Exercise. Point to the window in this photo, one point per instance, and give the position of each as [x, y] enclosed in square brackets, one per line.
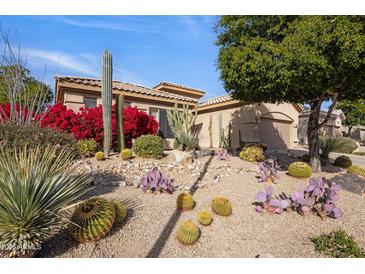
[154, 112]
[165, 130]
[89, 102]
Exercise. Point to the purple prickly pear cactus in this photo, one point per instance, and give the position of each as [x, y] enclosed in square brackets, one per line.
[155, 180]
[268, 171]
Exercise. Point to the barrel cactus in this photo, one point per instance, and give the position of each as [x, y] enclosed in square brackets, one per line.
[252, 154]
[356, 170]
[343, 161]
[299, 170]
[120, 212]
[92, 220]
[185, 201]
[126, 154]
[205, 218]
[100, 156]
[221, 206]
[188, 233]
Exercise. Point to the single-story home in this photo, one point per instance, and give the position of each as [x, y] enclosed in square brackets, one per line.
[332, 128]
[272, 124]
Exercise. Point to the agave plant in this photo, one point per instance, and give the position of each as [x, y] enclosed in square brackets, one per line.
[265, 200]
[268, 171]
[222, 154]
[333, 144]
[319, 196]
[155, 181]
[35, 187]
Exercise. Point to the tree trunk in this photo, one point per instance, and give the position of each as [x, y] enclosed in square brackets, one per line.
[349, 131]
[313, 138]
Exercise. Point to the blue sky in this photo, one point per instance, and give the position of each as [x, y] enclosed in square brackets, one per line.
[145, 49]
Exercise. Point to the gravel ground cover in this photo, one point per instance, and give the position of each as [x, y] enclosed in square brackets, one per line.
[150, 228]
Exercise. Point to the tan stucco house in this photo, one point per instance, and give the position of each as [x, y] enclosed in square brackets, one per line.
[272, 124]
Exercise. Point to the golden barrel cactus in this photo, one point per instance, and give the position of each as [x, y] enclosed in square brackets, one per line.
[343, 161]
[185, 201]
[356, 170]
[221, 206]
[205, 218]
[126, 154]
[92, 220]
[300, 170]
[188, 233]
[120, 212]
[99, 156]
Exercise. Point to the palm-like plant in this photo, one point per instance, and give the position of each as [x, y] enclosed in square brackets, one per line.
[333, 144]
[35, 187]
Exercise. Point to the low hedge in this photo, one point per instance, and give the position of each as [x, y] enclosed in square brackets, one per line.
[149, 146]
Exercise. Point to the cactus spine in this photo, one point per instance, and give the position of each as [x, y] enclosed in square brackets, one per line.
[120, 108]
[210, 131]
[106, 95]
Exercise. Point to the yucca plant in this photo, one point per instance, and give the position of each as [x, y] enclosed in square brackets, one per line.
[36, 185]
[333, 144]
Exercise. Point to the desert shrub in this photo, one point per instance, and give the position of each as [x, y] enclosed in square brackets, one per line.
[149, 146]
[87, 147]
[13, 135]
[338, 244]
[35, 186]
[343, 161]
[336, 144]
[88, 123]
[252, 153]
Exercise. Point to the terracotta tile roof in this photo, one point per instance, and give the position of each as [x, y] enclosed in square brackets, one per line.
[119, 85]
[216, 100]
[179, 86]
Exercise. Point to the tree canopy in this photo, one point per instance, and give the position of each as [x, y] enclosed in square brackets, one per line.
[292, 58]
[354, 112]
[32, 85]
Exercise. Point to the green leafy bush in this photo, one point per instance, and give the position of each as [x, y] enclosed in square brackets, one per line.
[36, 185]
[13, 135]
[338, 244]
[87, 147]
[252, 153]
[149, 146]
[343, 161]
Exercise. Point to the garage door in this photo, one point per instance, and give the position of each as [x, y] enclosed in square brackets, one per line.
[275, 133]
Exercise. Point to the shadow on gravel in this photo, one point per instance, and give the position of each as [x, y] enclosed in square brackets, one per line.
[350, 182]
[166, 232]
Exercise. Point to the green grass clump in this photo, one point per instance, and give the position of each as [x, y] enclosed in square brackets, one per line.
[338, 244]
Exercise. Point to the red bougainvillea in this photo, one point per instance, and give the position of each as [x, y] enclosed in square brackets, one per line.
[5, 111]
[88, 123]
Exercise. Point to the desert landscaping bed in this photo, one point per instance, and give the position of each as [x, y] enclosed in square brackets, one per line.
[152, 221]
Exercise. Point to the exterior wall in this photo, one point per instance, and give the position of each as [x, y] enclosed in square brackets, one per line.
[332, 127]
[245, 118]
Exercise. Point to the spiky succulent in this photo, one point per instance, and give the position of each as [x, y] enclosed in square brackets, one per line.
[205, 218]
[268, 171]
[221, 154]
[265, 200]
[120, 211]
[319, 196]
[185, 201]
[99, 156]
[126, 154]
[92, 220]
[221, 206]
[155, 180]
[356, 170]
[35, 186]
[343, 161]
[299, 170]
[188, 233]
[252, 154]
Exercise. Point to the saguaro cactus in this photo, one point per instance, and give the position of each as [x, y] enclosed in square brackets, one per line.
[120, 108]
[106, 95]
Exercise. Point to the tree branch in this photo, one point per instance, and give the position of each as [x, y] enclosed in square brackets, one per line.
[329, 112]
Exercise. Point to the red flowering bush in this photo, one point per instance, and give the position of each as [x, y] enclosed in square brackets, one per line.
[88, 123]
[5, 111]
